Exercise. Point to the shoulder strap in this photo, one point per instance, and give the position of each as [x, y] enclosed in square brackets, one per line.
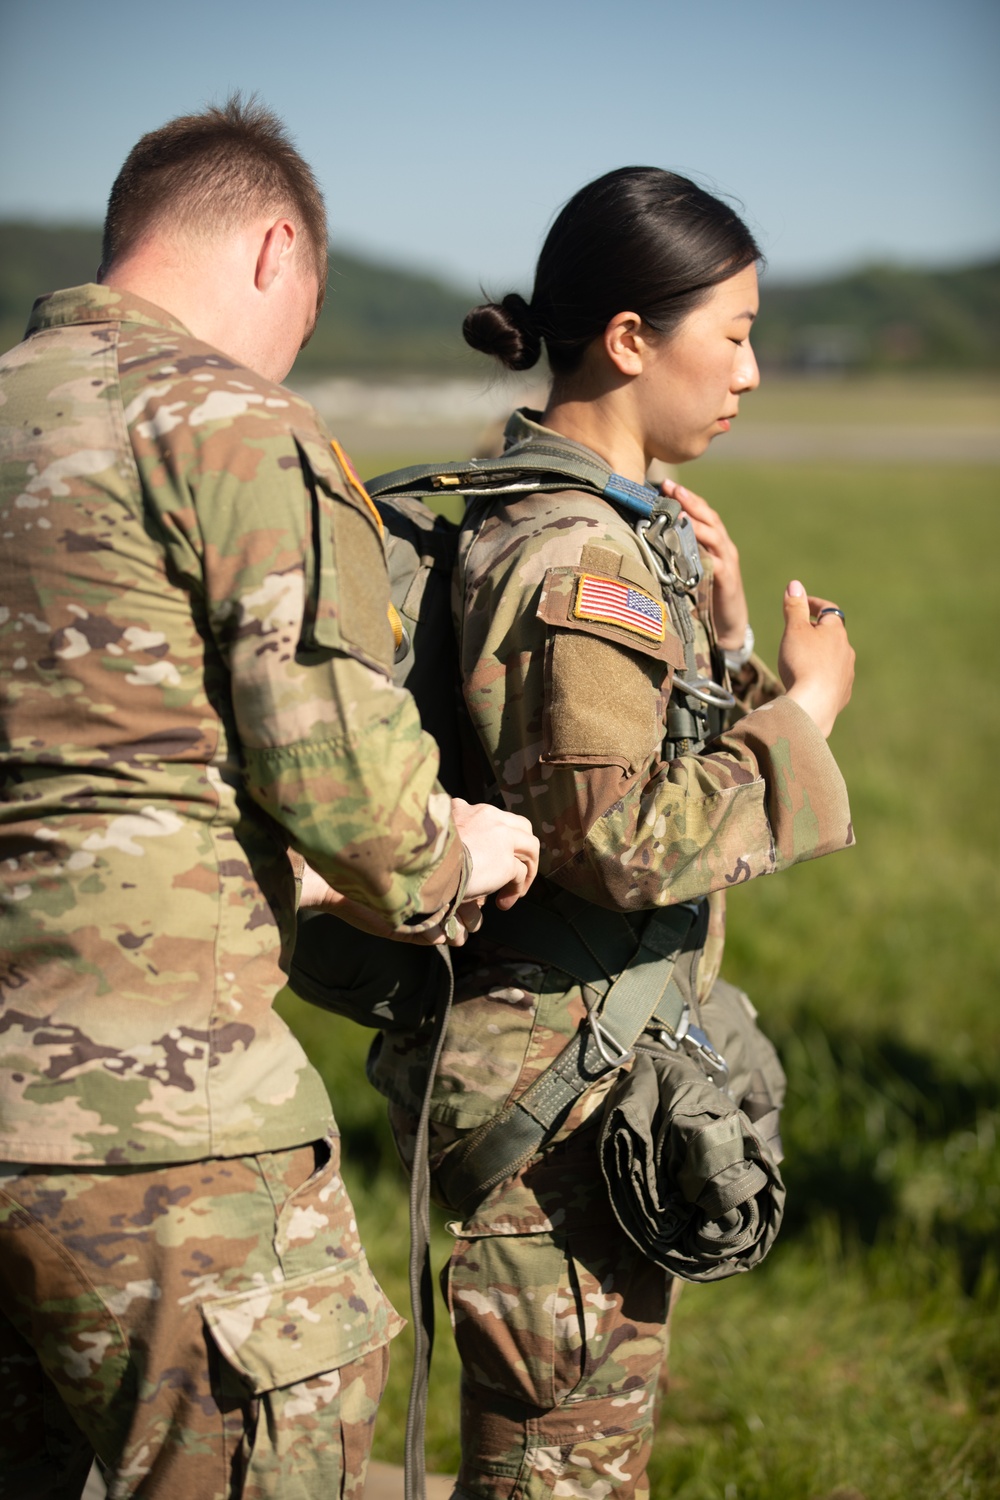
[526, 468]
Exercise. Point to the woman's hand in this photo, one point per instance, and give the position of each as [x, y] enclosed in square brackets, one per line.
[815, 659]
[729, 602]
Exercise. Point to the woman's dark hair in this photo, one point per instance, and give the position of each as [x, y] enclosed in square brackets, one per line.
[638, 239]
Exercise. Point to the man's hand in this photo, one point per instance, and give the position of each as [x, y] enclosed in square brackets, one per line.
[503, 853]
[729, 602]
[502, 848]
[318, 896]
[815, 659]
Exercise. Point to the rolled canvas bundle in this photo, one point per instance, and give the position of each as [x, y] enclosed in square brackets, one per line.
[691, 1180]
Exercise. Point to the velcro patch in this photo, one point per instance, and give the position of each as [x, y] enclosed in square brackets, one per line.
[616, 603]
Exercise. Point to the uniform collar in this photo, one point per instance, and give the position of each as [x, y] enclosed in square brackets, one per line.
[98, 304]
[525, 428]
[526, 425]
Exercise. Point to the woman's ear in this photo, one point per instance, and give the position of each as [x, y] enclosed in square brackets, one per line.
[624, 343]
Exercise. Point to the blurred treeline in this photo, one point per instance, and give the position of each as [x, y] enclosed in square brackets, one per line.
[381, 320]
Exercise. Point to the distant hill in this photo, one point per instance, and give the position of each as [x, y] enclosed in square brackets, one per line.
[884, 318]
[382, 320]
[376, 319]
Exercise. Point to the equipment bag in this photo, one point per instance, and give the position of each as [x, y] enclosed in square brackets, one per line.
[690, 1154]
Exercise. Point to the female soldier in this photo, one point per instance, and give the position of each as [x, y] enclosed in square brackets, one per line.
[597, 672]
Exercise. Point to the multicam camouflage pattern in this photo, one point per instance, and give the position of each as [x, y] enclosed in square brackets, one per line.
[193, 672]
[563, 1338]
[571, 713]
[259, 1257]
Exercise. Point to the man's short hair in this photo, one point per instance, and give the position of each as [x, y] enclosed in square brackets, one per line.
[212, 172]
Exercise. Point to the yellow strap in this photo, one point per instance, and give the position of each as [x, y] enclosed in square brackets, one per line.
[350, 474]
[396, 624]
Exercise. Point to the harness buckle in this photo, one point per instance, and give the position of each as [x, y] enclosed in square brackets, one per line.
[698, 1045]
[603, 1040]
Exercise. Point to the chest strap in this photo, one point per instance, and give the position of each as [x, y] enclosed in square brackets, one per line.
[628, 969]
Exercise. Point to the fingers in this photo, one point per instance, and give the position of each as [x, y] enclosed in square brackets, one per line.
[470, 914]
[515, 889]
[707, 523]
[815, 658]
[502, 847]
[824, 610]
[696, 507]
[802, 607]
[729, 600]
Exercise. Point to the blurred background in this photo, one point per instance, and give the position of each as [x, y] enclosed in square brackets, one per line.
[862, 1362]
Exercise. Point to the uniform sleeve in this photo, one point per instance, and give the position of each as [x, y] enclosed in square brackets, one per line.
[291, 570]
[573, 712]
[754, 685]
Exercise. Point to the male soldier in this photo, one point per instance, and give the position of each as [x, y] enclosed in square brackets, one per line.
[194, 655]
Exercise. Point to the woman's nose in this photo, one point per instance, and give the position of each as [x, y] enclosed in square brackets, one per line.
[746, 375]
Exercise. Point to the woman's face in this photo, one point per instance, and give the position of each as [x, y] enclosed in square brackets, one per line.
[690, 386]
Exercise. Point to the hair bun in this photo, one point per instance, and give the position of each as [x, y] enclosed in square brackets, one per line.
[507, 330]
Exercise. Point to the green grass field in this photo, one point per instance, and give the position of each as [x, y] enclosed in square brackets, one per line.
[862, 1361]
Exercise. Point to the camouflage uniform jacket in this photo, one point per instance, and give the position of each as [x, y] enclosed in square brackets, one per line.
[194, 673]
[571, 711]
[571, 714]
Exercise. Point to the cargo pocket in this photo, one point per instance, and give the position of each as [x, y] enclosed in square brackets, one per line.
[276, 1335]
[622, 1302]
[312, 1354]
[513, 1314]
[548, 1323]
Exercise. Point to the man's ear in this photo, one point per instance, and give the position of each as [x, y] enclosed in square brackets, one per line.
[624, 343]
[276, 249]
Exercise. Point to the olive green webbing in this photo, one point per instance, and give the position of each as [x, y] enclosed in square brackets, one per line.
[539, 466]
[632, 970]
[421, 1280]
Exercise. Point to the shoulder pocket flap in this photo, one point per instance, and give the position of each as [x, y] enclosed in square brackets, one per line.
[613, 608]
[333, 472]
[350, 589]
[274, 1336]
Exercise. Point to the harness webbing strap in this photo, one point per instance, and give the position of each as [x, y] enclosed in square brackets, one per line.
[421, 1280]
[636, 981]
[525, 468]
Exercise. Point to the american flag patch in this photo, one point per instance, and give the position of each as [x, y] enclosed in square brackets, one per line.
[617, 603]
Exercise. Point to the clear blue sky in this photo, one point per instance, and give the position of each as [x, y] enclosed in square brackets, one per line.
[445, 134]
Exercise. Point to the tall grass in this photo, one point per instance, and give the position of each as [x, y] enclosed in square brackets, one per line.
[863, 1359]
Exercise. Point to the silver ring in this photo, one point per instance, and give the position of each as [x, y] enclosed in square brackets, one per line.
[831, 609]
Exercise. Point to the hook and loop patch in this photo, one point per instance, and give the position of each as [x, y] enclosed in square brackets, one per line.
[610, 601]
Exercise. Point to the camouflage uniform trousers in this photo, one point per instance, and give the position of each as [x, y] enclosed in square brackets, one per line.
[209, 1329]
[563, 1337]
